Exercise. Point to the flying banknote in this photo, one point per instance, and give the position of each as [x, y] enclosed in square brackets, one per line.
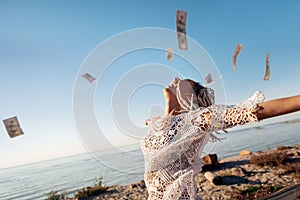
[267, 74]
[170, 54]
[235, 54]
[181, 29]
[209, 79]
[13, 127]
[88, 77]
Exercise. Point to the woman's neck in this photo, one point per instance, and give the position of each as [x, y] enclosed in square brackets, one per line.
[172, 107]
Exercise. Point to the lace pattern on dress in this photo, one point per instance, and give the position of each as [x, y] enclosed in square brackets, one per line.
[173, 146]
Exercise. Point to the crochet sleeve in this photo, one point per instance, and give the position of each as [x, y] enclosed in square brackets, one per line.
[223, 117]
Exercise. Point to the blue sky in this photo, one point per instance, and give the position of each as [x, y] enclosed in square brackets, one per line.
[44, 43]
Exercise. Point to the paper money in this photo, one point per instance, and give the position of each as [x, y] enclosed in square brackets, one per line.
[235, 54]
[181, 29]
[13, 127]
[170, 54]
[267, 74]
[208, 79]
[88, 77]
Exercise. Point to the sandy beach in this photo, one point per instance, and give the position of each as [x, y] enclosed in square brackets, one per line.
[251, 176]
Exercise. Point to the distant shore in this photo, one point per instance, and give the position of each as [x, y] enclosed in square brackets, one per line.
[244, 177]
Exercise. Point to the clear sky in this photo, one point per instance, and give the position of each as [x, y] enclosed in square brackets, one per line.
[44, 43]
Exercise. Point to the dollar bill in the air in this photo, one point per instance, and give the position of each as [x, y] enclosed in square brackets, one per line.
[170, 54]
[209, 79]
[88, 77]
[181, 29]
[235, 54]
[267, 74]
[13, 127]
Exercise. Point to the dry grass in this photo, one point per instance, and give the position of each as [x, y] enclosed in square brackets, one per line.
[90, 191]
[276, 158]
[281, 147]
[280, 159]
[54, 195]
[293, 170]
[254, 192]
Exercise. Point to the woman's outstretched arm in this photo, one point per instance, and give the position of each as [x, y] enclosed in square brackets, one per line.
[277, 107]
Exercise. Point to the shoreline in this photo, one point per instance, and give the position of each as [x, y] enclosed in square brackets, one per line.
[242, 178]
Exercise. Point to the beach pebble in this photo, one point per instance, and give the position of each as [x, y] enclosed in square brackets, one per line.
[245, 153]
[238, 171]
[263, 179]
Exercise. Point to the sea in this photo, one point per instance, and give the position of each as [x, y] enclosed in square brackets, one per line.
[126, 165]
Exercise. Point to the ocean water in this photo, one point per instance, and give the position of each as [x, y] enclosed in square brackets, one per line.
[35, 181]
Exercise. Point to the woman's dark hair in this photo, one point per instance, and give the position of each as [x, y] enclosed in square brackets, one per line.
[205, 96]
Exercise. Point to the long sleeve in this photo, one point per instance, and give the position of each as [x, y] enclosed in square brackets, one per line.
[223, 117]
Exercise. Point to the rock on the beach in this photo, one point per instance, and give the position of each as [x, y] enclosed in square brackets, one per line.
[214, 179]
[210, 159]
[245, 153]
[238, 171]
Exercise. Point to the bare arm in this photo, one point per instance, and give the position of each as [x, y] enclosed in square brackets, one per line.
[277, 107]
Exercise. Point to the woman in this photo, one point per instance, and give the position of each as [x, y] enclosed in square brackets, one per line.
[175, 141]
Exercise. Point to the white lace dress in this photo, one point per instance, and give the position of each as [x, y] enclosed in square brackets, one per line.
[173, 146]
